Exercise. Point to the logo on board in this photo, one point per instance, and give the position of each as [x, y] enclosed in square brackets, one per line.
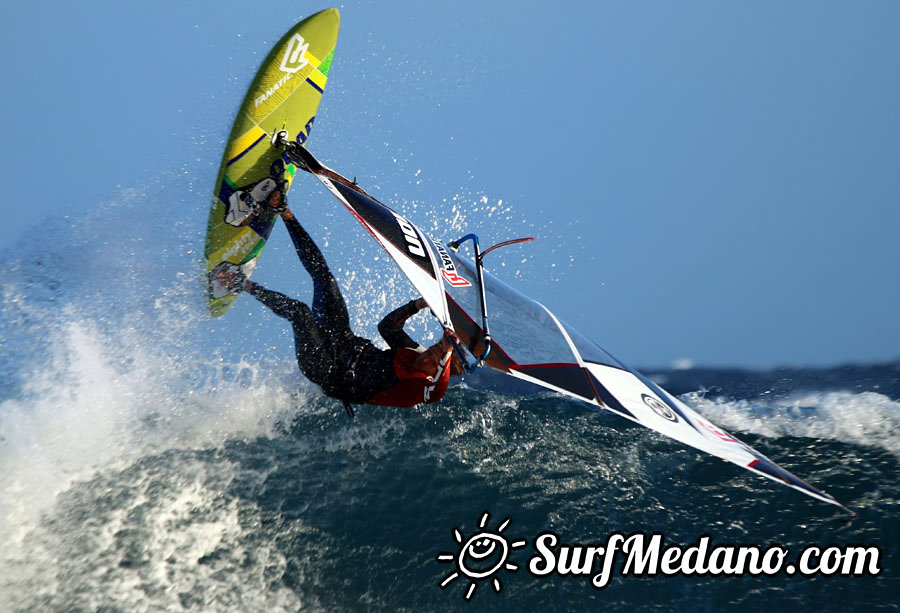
[295, 55]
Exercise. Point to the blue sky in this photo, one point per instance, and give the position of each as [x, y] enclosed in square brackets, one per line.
[707, 180]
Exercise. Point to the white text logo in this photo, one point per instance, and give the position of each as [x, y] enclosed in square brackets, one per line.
[449, 271]
[269, 92]
[483, 555]
[413, 244]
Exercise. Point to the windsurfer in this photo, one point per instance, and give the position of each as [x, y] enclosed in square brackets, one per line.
[348, 367]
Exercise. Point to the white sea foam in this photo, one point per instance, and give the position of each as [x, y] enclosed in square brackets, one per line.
[866, 418]
[108, 357]
[89, 407]
[169, 540]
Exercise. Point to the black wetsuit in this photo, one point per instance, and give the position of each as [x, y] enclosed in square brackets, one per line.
[346, 366]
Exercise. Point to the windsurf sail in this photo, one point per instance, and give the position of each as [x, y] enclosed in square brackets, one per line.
[528, 341]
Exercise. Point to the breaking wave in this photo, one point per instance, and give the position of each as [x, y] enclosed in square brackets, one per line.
[152, 458]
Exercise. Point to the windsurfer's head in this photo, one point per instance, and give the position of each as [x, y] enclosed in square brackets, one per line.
[429, 360]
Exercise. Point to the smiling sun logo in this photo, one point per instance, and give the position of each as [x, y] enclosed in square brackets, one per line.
[481, 556]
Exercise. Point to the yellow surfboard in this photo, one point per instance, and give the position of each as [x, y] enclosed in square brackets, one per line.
[284, 95]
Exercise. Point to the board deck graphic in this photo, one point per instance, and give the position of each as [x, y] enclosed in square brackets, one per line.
[284, 95]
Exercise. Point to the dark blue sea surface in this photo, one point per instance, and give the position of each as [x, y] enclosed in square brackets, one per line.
[328, 513]
[150, 461]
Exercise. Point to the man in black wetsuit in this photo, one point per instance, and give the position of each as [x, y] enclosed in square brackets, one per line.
[348, 367]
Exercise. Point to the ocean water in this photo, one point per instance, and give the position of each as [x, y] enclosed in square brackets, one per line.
[152, 459]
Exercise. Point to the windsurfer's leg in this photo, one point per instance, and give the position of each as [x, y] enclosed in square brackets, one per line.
[281, 305]
[314, 356]
[328, 307]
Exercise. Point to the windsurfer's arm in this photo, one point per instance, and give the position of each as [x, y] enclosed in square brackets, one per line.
[391, 327]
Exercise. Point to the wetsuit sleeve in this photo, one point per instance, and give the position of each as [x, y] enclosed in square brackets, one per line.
[391, 327]
[281, 305]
